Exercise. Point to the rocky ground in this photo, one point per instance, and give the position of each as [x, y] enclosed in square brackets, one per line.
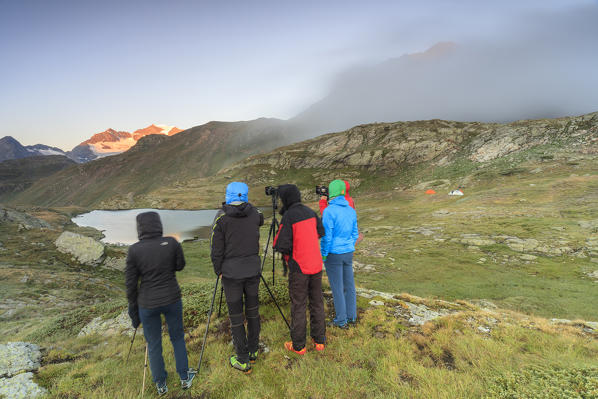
[506, 272]
[17, 362]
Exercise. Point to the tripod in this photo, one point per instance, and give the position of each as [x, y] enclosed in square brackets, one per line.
[274, 225]
[271, 234]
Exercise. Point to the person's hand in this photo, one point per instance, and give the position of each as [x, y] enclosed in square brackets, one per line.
[134, 315]
[359, 238]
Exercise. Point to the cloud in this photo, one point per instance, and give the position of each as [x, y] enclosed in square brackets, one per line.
[539, 65]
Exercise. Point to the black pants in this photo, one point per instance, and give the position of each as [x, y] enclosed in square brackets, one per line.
[301, 287]
[237, 290]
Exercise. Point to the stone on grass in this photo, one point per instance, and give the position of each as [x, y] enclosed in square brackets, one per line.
[376, 303]
[115, 263]
[418, 315]
[84, 249]
[20, 387]
[16, 357]
[106, 327]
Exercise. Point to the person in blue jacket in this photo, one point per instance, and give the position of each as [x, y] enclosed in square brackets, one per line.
[337, 247]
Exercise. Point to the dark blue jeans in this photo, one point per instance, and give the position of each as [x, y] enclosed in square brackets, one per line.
[339, 268]
[152, 329]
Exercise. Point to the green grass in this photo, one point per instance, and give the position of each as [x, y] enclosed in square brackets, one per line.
[413, 242]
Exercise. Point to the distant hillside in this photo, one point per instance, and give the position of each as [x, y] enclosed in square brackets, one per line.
[10, 148]
[384, 157]
[17, 175]
[158, 160]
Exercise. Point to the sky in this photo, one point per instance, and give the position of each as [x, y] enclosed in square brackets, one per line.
[70, 69]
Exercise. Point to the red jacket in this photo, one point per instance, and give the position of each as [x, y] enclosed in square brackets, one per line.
[324, 203]
[298, 237]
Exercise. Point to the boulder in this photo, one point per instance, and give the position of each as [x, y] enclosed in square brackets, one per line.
[115, 263]
[477, 241]
[85, 249]
[16, 357]
[120, 325]
[418, 315]
[24, 220]
[522, 245]
[20, 387]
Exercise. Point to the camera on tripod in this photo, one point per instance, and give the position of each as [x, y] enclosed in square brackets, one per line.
[322, 191]
[270, 190]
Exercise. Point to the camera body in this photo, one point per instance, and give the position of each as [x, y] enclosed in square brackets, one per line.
[322, 191]
[270, 190]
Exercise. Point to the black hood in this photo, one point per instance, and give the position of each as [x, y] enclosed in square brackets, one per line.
[289, 195]
[237, 210]
[149, 225]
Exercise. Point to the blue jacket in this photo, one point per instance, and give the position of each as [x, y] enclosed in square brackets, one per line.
[340, 224]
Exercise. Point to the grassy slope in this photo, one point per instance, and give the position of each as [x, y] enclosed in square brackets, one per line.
[413, 242]
[200, 151]
[17, 175]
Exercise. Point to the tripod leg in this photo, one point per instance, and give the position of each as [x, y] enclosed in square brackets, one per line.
[131, 347]
[270, 235]
[220, 304]
[144, 370]
[203, 345]
[274, 299]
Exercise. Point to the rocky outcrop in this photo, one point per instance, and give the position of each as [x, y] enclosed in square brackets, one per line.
[115, 263]
[20, 387]
[84, 249]
[24, 220]
[391, 146]
[120, 325]
[17, 360]
[16, 357]
[416, 314]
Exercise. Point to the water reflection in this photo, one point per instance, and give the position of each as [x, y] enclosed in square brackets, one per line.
[119, 227]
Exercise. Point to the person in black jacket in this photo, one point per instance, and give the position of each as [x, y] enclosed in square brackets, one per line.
[298, 240]
[235, 257]
[154, 260]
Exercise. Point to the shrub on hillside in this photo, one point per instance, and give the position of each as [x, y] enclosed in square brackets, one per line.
[547, 383]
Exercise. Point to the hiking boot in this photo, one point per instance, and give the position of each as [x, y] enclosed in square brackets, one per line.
[186, 384]
[289, 346]
[162, 389]
[252, 357]
[352, 323]
[317, 346]
[343, 327]
[244, 367]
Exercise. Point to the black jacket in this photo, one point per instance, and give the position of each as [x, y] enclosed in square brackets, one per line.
[153, 259]
[299, 233]
[235, 242]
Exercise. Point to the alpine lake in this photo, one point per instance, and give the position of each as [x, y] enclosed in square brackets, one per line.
[120, 227]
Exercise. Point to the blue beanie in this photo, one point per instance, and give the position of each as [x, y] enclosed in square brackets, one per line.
[236, 191]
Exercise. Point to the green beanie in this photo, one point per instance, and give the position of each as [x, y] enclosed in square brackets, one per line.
[336, 188]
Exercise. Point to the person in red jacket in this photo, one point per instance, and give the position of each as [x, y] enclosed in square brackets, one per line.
[324, 203]
[324, 200]
[298, 239]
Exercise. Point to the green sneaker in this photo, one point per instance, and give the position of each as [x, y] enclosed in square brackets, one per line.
[252, 357]
[244, 367]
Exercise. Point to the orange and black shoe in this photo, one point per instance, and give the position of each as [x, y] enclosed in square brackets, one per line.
[252, 357]
[317, 346]
[289, 346]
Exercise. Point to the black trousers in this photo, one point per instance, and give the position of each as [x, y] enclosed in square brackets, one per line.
[239, 291]
[301, 288]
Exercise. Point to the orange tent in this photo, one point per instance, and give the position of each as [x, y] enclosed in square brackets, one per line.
[430, 191]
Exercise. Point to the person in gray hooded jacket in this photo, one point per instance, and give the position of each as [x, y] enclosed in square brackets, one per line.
[152, 291]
